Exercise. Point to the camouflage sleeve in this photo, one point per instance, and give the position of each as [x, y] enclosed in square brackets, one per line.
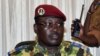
[14, 53]
[23, 52]
[23, 49]
[20, 51]
[84, 52]
[87, 52]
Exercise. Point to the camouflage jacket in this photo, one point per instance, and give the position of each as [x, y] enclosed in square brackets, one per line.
[65, 49]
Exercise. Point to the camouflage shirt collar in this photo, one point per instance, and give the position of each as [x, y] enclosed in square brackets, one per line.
[38, 49]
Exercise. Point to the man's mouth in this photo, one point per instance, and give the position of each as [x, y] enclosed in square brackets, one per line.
[54, 36]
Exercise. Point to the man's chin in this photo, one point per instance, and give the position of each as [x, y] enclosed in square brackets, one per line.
[55, 43]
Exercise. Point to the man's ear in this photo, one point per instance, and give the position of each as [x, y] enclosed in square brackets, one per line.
[35, 28]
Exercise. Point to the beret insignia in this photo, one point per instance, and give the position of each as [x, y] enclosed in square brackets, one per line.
[41, 11]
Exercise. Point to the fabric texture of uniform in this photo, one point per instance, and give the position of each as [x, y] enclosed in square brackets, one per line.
[65, 49]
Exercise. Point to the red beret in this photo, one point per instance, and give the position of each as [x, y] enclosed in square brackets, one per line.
[49, 10]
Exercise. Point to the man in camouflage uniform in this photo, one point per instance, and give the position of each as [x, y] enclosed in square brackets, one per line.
[49, 27]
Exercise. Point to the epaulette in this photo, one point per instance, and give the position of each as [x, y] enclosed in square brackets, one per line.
[26, 45]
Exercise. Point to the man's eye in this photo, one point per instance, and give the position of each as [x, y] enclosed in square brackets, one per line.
[60, 24]
[42, 24]
[49, 24]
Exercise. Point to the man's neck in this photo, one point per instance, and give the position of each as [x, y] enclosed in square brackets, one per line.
[49, 48]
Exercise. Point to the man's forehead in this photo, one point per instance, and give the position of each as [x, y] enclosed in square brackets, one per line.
[49, 18]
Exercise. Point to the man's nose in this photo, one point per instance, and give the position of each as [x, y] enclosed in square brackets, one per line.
[55, 27]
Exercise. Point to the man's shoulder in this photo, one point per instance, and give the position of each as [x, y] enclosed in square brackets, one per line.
[24, 43]
[73, 44]
[74, 48]
[23, 47]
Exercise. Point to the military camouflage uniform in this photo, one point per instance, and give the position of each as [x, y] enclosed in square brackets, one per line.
[65, 49]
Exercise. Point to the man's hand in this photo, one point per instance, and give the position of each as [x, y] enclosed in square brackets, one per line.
[88, 38]
[76, 29]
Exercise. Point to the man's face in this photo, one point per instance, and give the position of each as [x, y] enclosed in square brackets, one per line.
[49, 30]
